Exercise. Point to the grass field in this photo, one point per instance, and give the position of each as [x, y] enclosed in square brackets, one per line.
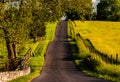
[105, 37]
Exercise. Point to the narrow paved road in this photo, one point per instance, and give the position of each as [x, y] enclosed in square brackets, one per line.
[59, 66]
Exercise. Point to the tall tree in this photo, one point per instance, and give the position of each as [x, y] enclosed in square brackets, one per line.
[37, 26]
[102, 10]
[13, 23]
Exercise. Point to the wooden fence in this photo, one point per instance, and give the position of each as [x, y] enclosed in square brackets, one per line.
[105, 57]
[25, 60]
[21, 65]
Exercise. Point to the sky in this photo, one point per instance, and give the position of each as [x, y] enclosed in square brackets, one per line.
[95, 2]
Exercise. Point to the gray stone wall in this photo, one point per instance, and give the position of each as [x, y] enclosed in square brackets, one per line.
[9, 75]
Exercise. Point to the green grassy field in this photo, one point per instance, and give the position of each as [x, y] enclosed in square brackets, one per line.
[104, 36]
[39, 48]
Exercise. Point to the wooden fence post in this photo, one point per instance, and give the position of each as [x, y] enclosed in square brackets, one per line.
[111, 59]
[107, 58]
[25, 60]
[116, 58]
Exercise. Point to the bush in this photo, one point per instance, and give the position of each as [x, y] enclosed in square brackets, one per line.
[89, 63]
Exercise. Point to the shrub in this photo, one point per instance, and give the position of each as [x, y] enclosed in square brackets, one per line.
[90, 63]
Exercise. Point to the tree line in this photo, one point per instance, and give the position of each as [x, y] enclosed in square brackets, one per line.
[108, 10]
[28, 22]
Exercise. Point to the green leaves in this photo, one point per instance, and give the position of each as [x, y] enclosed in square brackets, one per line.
[79, 9]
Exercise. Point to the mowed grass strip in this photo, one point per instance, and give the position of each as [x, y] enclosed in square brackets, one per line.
[36, 63]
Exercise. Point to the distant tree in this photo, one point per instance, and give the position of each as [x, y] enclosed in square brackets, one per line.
[55, 8]
[114, 6]
[102, 10]
[74, 9]
[38, 19]
[52, 10]
[42, 11]
[79, 9]
[109, 10]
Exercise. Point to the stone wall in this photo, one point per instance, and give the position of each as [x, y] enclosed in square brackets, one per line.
[9, 75]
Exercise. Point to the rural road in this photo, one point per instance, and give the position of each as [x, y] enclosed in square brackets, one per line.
[59, 66]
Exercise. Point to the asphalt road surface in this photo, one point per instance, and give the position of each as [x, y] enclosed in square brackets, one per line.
[59, 66]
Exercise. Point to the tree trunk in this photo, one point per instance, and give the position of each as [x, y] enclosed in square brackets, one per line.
[12, 51]
[14, 45]
[11, 56]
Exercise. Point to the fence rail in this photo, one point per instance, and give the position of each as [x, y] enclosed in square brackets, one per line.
[21, 65]
[25, 60]
[105, 57]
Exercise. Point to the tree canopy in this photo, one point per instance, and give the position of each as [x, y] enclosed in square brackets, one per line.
[79, 9]
[17, 24]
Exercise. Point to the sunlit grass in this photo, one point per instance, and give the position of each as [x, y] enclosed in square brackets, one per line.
[50, 31]
[105, 36]
[3, 51]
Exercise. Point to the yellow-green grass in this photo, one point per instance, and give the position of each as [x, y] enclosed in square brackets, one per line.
[104, 35]
[50, 31]
[36, 63]
[3, 52]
